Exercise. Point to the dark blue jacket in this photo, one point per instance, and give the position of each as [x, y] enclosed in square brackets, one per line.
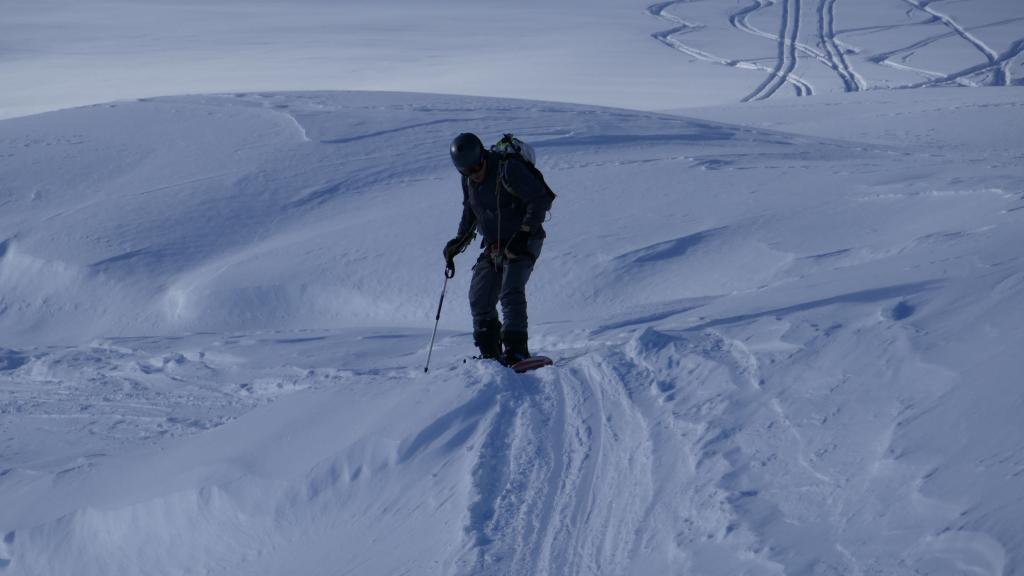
[504, 202]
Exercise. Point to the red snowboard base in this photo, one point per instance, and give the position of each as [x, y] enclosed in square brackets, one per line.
[532, 363]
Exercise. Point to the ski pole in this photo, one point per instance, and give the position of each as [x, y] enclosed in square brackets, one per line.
[449, 272]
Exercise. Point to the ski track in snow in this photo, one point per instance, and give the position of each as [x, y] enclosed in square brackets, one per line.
[1000, 67]
[541, 497]
[989, 54]
[626, 453]
[852, 82]
[833, 57]
[565, 440]
[997, 65]
[572, 459]
[906, 52]
[786, 60]
[1008, 65]
[669, 38]
[997, 69]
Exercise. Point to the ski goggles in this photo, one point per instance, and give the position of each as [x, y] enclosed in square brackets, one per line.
[472, 170]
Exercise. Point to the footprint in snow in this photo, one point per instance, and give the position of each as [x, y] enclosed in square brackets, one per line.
[5, 550]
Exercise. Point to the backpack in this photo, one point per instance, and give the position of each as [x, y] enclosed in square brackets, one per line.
[511, 147]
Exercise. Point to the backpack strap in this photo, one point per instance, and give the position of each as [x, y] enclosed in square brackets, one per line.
[503, 175]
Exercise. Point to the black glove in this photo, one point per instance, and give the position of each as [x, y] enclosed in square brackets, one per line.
[454, 247]
[518, 245]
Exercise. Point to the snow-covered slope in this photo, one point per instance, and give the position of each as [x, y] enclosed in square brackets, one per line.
[787, 339]
[787, 324]
[636, 54]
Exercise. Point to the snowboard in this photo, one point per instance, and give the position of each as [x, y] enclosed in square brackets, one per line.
[531, 363]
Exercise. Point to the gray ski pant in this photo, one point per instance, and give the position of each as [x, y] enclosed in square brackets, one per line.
[502, 280]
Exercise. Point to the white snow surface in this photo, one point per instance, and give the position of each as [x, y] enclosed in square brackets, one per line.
[627, 53]
[777, 352]
[787, 331]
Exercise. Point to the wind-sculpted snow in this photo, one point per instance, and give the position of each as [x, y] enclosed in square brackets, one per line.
[786, 340]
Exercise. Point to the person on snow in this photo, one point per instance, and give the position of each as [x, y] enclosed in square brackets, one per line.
[506, 203]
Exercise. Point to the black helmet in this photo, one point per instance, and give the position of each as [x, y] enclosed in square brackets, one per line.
[467, 151]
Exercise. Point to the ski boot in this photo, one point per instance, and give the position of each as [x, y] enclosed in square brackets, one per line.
[487, 338]
[515, 347]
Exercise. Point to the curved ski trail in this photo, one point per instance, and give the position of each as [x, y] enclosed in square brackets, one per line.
[996, 64]
[669, 38]
[925, 7]
[1000, 70]
[786, 61]
[833, 57]
[852, 82]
